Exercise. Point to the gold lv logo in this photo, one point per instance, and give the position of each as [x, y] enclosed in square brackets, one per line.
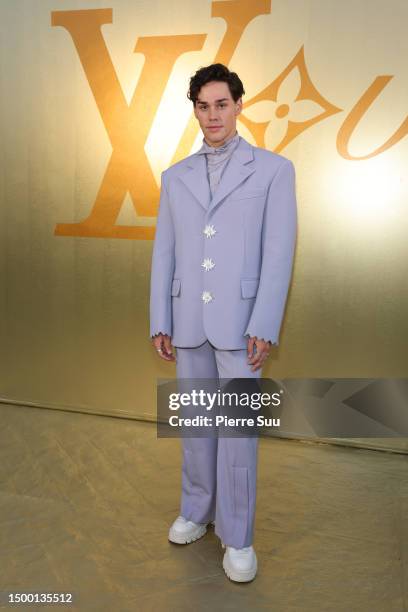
[275, 116]
[128, 126]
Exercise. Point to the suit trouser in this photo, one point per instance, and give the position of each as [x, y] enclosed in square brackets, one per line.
[219, 474]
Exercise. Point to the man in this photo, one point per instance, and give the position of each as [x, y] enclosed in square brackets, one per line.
[221, 268]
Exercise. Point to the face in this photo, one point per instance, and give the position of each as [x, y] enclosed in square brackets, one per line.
[217, 112]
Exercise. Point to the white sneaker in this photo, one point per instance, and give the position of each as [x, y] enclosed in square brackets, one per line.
[183, 531]
[240, 564]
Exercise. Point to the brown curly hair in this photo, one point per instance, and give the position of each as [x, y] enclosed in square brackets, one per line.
[215, 72]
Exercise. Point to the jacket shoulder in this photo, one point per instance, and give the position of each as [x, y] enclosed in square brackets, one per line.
[176, 168]
[269, 157]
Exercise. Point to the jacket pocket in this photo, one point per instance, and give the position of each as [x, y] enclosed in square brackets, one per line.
[175, 287]
[255, 192]
[249, 287]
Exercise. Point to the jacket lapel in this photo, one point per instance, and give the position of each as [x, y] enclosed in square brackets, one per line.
[196, 179]
[235, 173]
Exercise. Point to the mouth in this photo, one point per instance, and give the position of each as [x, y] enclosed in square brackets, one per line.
[214, 127]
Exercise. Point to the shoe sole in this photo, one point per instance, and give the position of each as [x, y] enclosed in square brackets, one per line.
[179, 539]
[244, 576]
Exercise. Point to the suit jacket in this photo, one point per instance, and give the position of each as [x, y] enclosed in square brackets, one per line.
[221, 265]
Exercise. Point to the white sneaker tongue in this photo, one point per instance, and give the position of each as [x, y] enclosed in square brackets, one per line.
[242, 550]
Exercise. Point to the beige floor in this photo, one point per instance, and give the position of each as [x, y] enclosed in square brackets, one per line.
[86, 502]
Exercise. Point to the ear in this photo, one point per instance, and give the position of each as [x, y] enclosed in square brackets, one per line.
[238, 104]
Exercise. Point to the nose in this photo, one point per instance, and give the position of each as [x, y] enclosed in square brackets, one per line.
[213, 114]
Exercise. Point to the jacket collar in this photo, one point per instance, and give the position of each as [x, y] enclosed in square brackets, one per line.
[235, 173]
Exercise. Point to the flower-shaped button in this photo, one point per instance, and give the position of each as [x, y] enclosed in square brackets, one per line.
[206, 297]
[208, 264]
[209, 231]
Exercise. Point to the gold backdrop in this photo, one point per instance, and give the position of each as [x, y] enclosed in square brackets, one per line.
[94, 107]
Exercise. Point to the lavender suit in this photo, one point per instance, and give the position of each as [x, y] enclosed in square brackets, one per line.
[221, 268]
[222, 265]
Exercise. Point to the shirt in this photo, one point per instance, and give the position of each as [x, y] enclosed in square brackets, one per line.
[217, 159]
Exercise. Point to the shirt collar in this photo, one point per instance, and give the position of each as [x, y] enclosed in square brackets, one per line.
[206, 148]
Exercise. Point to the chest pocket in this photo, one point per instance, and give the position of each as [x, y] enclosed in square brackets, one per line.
[255, 192]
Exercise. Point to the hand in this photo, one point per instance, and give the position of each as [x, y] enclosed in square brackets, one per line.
[261, 353]
[162, 344]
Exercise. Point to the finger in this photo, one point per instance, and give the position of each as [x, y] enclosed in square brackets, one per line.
[168, 349]
[250, 346]
[259, 361]
[253, 356]
[162, 353]
[256, 367]
[158, 343]
[256, 363]
[167, 346]
[256, 356]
